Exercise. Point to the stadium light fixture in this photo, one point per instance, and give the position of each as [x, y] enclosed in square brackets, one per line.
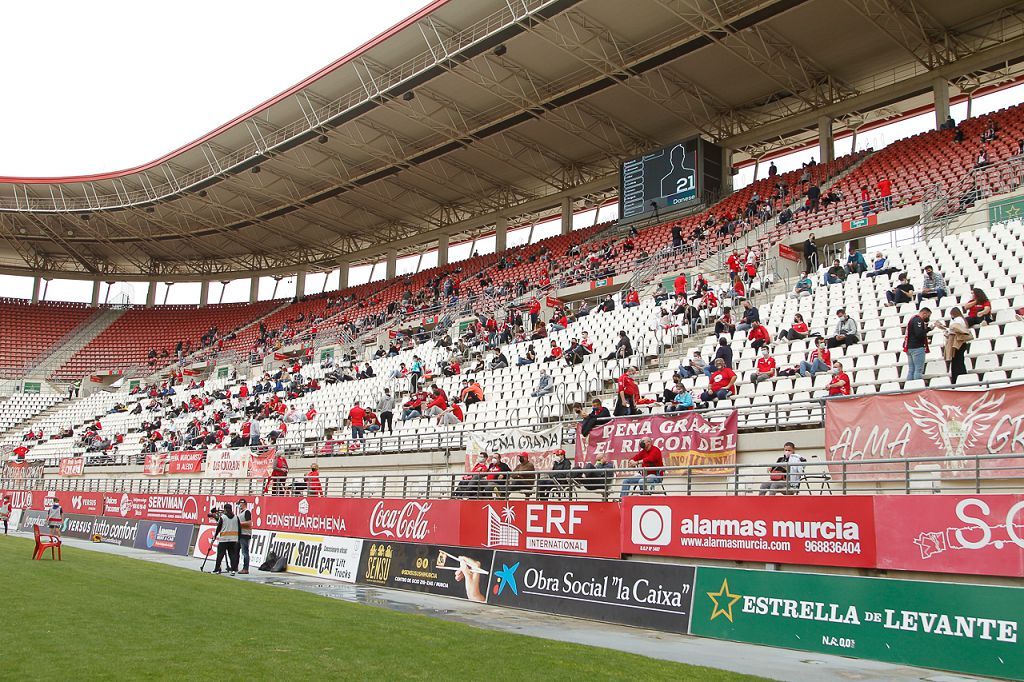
[322, 139]
[409, 96]
[202, 193]
[500, 50]
[23, 230]
[255, 169]
[85, 217]
[71, 233]
[150, 209]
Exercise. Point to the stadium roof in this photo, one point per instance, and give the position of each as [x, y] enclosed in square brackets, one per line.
[473, 110]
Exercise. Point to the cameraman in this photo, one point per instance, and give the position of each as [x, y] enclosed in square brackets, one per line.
[228, 531]
[245, 534]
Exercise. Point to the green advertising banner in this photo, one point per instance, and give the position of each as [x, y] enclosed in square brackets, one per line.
[967, 628]
[31, 387]
[1005, 210]
[326, 353]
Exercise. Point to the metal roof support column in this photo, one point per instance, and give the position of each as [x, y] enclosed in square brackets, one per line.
[567, 215]
[204, 293]
[501, 235]
[940, 90]
[392, 264]
[727, 170]
[442, 250]
[151, 294]
[254, 289]
[95, 293]
[37, 282]
[343, 274]
[826, 141]
[300, 283]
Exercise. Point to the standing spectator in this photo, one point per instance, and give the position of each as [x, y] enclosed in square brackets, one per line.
[765, 367]
[978, 309]
[722, 384]
[915, 343]
[244, 535]
[228, 533]
[773, 170]
[846, 331]
[840, 384]
[679, 286]
[677, 236]
[903, 292]
[651, 472]
[597, 416]
[55, 517]
[356, 418]
[278, 474]
[628, 393]
[386, 411]
[933, 286]
[5, 511]
[813, 197]
[798, 330]
[759, 336]
[811, 253]
[865, 200]
[545, 386]
[749, 317]
[855, 263]
[818, 360]
[958, 342]
[415, 372]
[885, 192]
[312, 479]
[533, 308]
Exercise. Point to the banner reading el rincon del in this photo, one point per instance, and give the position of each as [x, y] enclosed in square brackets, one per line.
[945, 424]
[685, 440]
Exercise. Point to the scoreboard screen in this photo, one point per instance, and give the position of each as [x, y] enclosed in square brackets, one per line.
[668, 177]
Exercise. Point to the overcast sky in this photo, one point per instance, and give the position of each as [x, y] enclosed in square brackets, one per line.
[106, 85]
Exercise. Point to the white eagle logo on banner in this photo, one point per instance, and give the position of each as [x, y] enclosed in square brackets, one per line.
[952, 431]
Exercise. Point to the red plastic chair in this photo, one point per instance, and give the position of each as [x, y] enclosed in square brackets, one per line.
[45, 541]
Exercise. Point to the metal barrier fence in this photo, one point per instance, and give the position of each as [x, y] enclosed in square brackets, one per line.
[899, 476]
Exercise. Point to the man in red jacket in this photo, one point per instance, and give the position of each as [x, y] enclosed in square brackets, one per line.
[357, 419]
[628, 392]
[680, 284]
[651, 472]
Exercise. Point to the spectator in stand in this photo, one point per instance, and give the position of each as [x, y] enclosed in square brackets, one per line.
[499, 361]
[472, 481]
[677, 236]
[452, 414]
[681, 400]
[437, 404]
[810, 253]
[607, 305]
[724, 353]
[679, 286]
[386, 411]
[413, 408]
[818, 360]
[557, 479]
[650, 472]
[523, 478]
[865, 200]
[725, 324]
[813, 197]
[835, 274]
[855, 263]
[660, 294]
[982, 160]
[784, 476]
[958, 342]
[598, 416]
[472, 392]
[979, 308]
[371, 423]
[804, 286]
[497, 477]
[903, 292]
[693, 367]
[533, 308]
[933, 286]
[722, 384]
[885, 193]
[798, 330]
[356, 417]
[415, 373]
[840, 383]
[596, 475]
[632, 299]
[628, 393]
[545, 386]
[915, 343]
[759, 336]
[765, 369]
[623, 348]
[773, 170]
[750, 316]
[880, 266]
[555, 353]
[846, 331]
[531, 357]
[312, 480]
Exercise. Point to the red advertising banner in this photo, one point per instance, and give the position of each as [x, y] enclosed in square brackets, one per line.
[71, 466]
[90, 504]
[788, 253]
[973, 534]
[427, 521]
[930, 423]
[154, 465]
[814, 531]
[177, 508]
[28, 499]
[684, 440]
[261, 465]
[584, 528]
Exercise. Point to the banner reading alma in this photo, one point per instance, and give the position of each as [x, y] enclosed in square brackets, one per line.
[685, 440]
[931, 423]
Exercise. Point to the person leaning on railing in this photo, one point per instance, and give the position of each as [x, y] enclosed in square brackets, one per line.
[651, 471]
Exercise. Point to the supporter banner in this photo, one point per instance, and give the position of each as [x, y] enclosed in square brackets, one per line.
[383, 519]
[261, 465]
[155, 465]
[71, 466]
[967, 628]
[647, 595]
[929, 423]
[185, 462]
[448, 571]
[169, 538]
[816, 531]
[77, 526]
[227, 464]
[174, 508]
[121, 532]
[976, 534]
[685, 440]
[21, 471]
[514, 441]
[585, 528]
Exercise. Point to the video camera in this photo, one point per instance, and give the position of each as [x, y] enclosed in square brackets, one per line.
[215, 514]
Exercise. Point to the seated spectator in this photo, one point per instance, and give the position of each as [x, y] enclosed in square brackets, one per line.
[725, 324]
[804, 286]
[660, 294]
[554, 353]
[798, 330]
[722, 384]
[558, 479]
[545, 386]
[840, 384]
[497, 478]
[692, 367]
[784, 476]
[765, 369]
[623, 348]
[903, 292]
[452, 414]
[529, 359]
[472, 392]
[749, 317]
[681, 401]
[759, 336]
[855, 263]
[413, 408]
[598, 416]
[818, 360]
[724, 353]
[650, 471]
[632, 299]
[846, 331]
[933, 286]
[499, 361]
[371, 421]
[596, 475]
[979, 308]
[607, 305]
[524, 477]
[880, 266]
[471, 484]
[836, 274]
